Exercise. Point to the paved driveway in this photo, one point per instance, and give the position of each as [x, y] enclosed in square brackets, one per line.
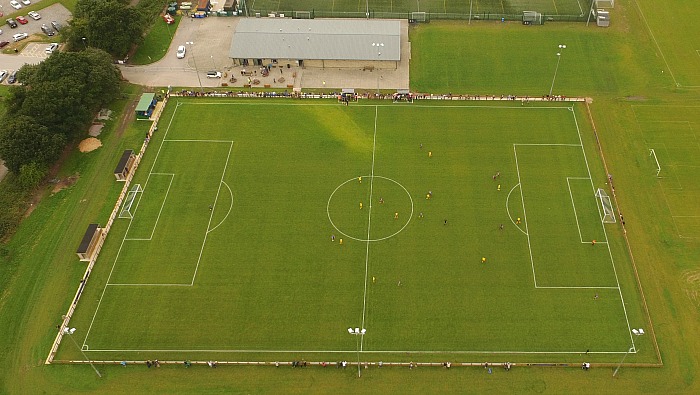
[211, 38]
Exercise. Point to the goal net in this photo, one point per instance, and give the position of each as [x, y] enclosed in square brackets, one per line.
[606, 204]
[419, 16]
[602, 4]
[126, 211]
[303, 15]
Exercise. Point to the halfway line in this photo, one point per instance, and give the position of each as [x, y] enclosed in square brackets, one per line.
[369, 224]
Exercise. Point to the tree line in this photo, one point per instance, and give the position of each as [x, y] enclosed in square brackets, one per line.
[54, 103]
[56, 100]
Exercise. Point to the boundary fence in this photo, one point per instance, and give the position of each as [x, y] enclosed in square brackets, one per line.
[115, 212]
[477, 16]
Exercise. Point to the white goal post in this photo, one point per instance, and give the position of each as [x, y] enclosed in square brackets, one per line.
[606, 204]
[656, 159]
[129, 202]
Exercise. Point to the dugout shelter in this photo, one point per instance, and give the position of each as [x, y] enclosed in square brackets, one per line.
[145, 106]
[88, 246]
[334, 43]
[347, 95]
[124, 166]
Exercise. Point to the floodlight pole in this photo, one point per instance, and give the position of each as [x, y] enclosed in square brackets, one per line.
[623, 360]
[69, 332]
[357, 332]
[561, 48]
[194, 60]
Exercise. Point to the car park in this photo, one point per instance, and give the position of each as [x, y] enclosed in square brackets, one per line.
[51, 48]
[34, 15]
[12, 78]
[14, 4]
[56, 26]
[22, 20]
[213, 74]
[181, 52]
[3, 44]
[47, 30]
[12, 23]
[3, 74]
[19, 36]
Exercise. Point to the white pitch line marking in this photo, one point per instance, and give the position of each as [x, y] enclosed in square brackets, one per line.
[369, 223]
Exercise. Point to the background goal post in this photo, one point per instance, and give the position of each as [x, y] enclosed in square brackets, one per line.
[419, 16]
[656, 159]
[606, 204]
[303, 15]
[129, 202]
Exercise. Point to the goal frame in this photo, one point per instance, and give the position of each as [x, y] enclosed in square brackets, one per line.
[129, 200]
[606, 204]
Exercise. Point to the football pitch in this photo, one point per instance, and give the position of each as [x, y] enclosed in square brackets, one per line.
[552, 7]
[266, 229]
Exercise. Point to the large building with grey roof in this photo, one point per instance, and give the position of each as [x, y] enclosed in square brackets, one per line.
[333, 43]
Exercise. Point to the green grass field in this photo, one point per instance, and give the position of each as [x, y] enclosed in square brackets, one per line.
[558, 7]
[671, 131]
[635, 108]
[258, 277]
[156, 42]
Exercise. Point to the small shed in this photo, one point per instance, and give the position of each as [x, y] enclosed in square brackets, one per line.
[88, 246]
[231, 5]
[403, 95]
[603, 18]
[347, 95]
[146, 105]
[124, 166]
[204, 5]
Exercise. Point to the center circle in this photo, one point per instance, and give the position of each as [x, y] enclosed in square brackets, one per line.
[365, 206]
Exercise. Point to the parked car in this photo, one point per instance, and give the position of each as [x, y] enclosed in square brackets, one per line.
[56, 26]
[181, 52]
[12, 78]
[19, 36]
[51, 48]
[34, 15]
[0, 31]
[22, 20]
[3, 74]
[47, 30]
[26, 2]
[14, 4]
[3, 44]
[213, 74]
[12, 23]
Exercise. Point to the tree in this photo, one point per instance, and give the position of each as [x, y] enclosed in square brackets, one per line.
[66, 90]
[24, 141]
[110, 25]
